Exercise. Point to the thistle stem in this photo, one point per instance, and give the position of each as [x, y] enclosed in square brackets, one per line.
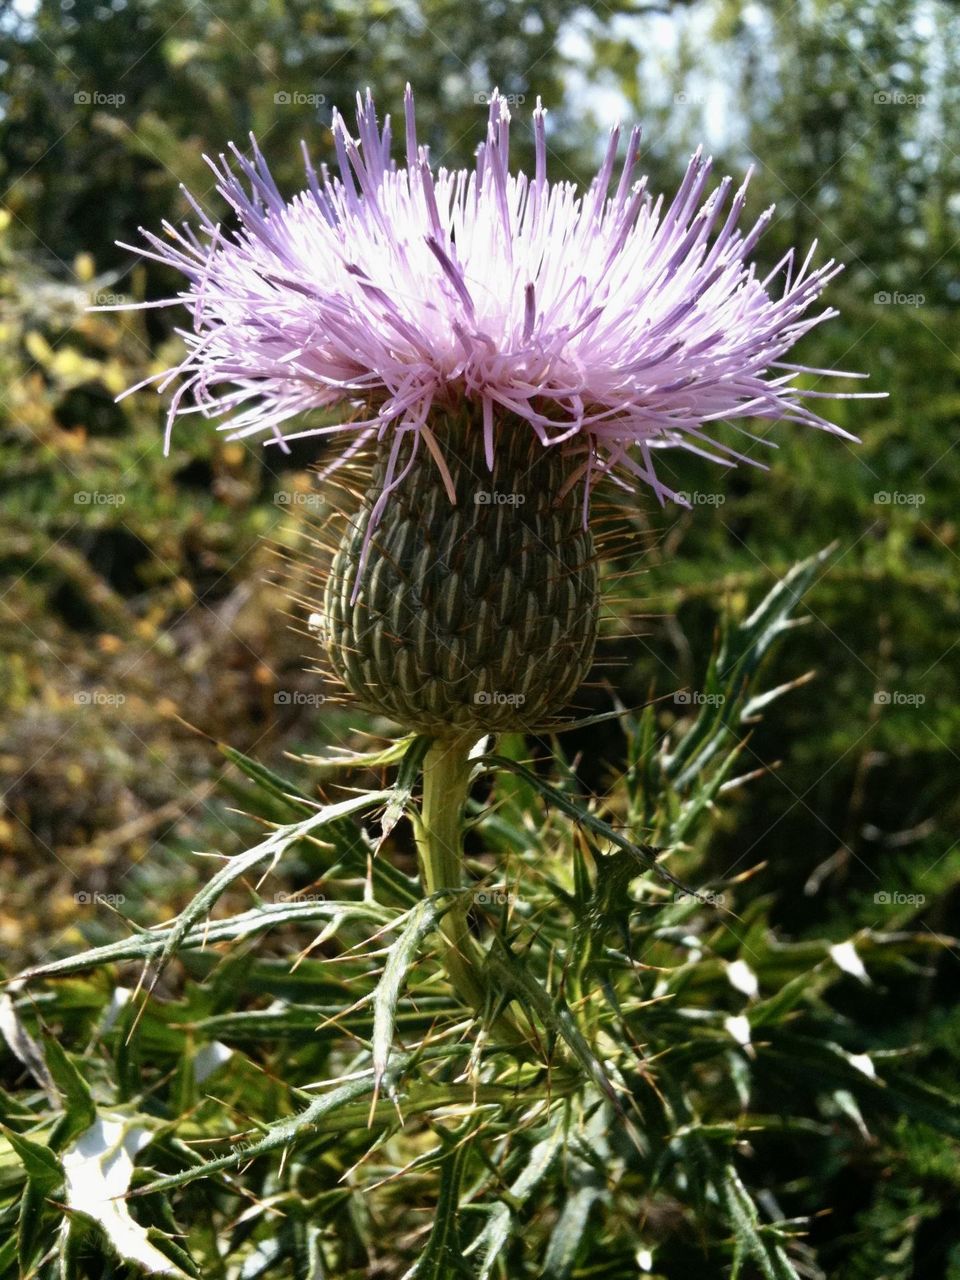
[439, 833]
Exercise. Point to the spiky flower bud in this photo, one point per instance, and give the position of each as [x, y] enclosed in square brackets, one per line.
[477, 613]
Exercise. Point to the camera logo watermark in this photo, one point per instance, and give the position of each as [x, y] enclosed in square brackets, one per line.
[511, 99]
[896, 98]
[97, 498]
[694, 698]
[294, 98]
[893, 498]
[286, 499]
[884, 298]
[98, 698]
[898, 698]
[705, 897]
[700, 498]
[94, 98]
[494, 898]
[486, 498]
[495, 698]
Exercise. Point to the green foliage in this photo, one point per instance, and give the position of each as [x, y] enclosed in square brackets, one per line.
[686, 1087]
[829, 822]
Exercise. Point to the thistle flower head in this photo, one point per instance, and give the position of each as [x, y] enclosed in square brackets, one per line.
[616, 323]
[471, 322]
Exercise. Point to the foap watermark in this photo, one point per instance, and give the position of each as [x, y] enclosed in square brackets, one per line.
[96, 98]
[98, 698]
[896, 298]
[694, 698]
[893, 498]
[898, 698]
[488, 498]
[494, 898]
[98, 498]
[897, 98]
[104, 298]
[294, 98]
[511, 99]
[496, 698]
[295, 896]
[91, 898]
[686, 99]
[701, 498]
[284, 498]
[892, 898]
[297, 698]
[705, 897]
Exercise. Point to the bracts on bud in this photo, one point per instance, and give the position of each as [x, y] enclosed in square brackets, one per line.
[471, 615]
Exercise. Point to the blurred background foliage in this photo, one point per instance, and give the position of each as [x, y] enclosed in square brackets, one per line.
[138, 592]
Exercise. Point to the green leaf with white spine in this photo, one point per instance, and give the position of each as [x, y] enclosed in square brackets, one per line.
[422, 921]
[97, 1169]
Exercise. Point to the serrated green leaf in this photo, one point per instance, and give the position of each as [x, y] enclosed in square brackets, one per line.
[40, 1163]
[77, 1100]
[443, 1257]
[750, 1241]
[407, 775]
[422, 920]
[275, 785]
[154, 942]
[272, 849]
[645, 856]
[515, 979]
[501, 1222]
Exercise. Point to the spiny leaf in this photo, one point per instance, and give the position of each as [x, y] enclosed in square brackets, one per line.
[750, 1243]
[505, 966]
[501, 1221]
[144, 946]
[642, 853]
[820, 1060]
[587, 1162]
[32, 1224]
[273, 848]
[406, 779]
[23, 1046]
[271, 782]
[742, 649]
[422, 920]
[443, 1258]
[284, 1132]
[40, 1163]
[390, 754]
[79, 1107]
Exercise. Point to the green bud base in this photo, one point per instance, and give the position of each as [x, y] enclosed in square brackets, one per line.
[478, 615]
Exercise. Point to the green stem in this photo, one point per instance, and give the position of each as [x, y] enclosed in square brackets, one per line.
[439, 835]
[440, 848]
[446, 776]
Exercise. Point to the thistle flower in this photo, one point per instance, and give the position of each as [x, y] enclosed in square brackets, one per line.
[483, 332]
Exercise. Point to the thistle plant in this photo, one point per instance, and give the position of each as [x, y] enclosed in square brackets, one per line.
[577, 1030]
[500, 345]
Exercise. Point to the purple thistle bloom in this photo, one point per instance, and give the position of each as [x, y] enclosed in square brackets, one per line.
[620, 322]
